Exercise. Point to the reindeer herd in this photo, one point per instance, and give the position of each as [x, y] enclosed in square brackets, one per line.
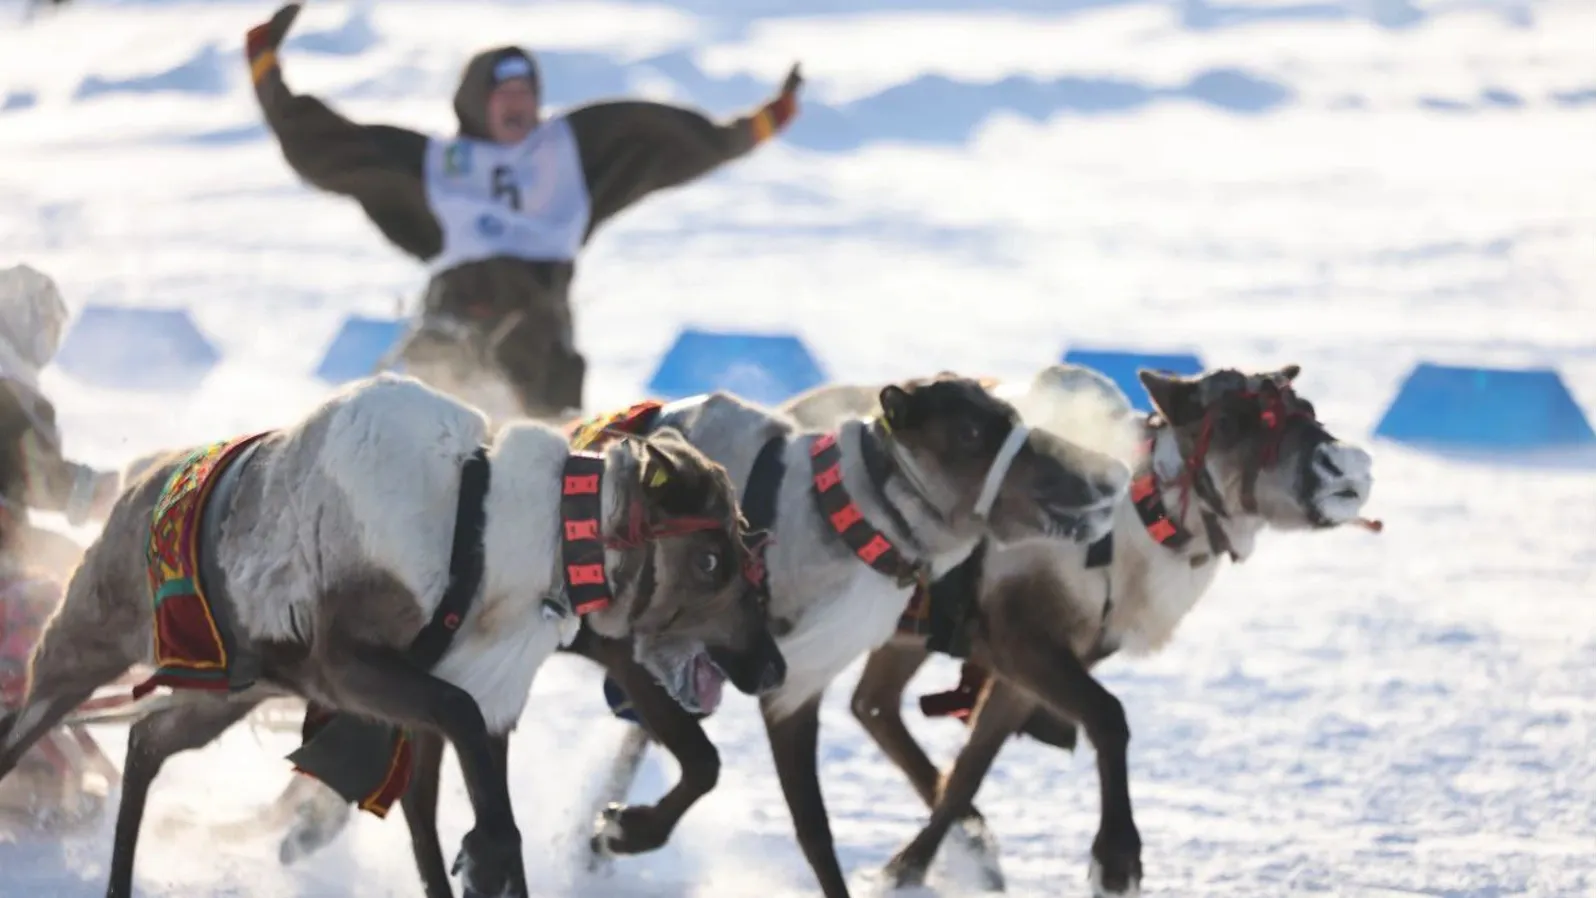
[404, 566]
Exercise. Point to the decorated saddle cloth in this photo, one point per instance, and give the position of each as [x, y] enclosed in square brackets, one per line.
[595, 431]
[197, 641]
[196, 638]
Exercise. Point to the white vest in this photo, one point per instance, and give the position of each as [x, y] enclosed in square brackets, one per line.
[528, 200]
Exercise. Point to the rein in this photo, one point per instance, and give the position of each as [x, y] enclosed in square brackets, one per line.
[640, 532]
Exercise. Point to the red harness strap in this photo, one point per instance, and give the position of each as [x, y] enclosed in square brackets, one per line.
[870, 544]
[581, 546]
[582, 542]
[1147, 495]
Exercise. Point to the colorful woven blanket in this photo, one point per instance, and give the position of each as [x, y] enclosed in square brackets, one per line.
[590, 433]
[190, 647]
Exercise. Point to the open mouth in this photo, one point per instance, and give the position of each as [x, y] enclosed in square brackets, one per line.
[704, 684]
[1336, 507]
[1082, 525]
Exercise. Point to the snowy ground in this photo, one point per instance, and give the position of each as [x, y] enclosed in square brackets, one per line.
[1348, 184]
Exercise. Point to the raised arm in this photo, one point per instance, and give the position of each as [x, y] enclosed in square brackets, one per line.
[47, 479]
[631, 148]
[379, 166]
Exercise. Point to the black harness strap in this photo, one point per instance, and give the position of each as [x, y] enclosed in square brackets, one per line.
[953, 599]
[862, 538]
[1101, 553]
[465, 565]
[367, 762]
[878, 465]
[759, 509]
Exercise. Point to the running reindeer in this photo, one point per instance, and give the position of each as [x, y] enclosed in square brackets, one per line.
[361, 560]
[1225, 455]
[1230, 453]
[858, 513]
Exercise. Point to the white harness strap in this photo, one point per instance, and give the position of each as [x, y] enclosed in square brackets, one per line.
[994, 475]
[1000, 469]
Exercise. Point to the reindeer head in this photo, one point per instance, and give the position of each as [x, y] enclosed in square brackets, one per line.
[682, 592]
[1250, 444]
[977, 466]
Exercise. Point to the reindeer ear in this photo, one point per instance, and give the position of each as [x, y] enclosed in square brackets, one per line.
[660, 468]
[1290, 372]
[1175, 397]
[895, 403]
[671, 479]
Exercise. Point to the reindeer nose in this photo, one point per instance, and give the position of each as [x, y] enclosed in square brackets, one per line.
[773, 673]
[1344, 470]
[1109, 484]
[1339, 461]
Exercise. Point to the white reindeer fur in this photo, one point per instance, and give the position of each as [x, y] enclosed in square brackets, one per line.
[1153, 588]
[370, 481]
[840, 608]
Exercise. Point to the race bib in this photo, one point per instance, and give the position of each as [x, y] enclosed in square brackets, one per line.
[528, 200]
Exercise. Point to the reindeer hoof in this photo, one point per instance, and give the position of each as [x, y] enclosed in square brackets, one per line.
[317, 822]
[490, 865]
[904, 872]
[1116, 883]
[982, 847]
[620, 829]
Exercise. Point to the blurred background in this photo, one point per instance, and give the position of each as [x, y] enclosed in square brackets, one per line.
[1399, 195]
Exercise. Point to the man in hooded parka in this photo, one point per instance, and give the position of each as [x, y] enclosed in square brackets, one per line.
[34, 470]
[36, 561]
[500, 211]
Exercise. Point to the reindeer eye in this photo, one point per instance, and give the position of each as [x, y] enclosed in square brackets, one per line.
[708, 562]
[968, 435]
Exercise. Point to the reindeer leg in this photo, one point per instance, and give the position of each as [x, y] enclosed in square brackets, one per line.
[420, 804]
[1001, 709]
[382, 683]
[316, 815]
[641, 828]
[877, 705]
[192, 723]
[1050, 729]
[794, 742]
[1037, 657]
[74, 657]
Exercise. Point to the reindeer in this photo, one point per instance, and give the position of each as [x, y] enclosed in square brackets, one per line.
[1225, 455]
[1247, 450]
[859, 515]
[390, 559]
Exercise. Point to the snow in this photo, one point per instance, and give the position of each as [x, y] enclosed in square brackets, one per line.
[1352, 186]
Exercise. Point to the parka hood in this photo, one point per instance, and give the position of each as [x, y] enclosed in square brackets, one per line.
[482, 74]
